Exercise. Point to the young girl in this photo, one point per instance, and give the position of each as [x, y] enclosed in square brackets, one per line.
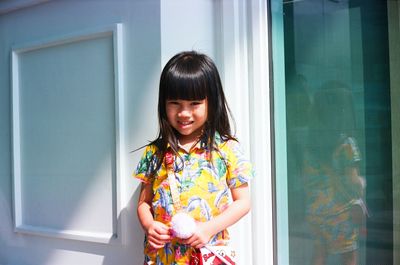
[210, 170]
[333, 183]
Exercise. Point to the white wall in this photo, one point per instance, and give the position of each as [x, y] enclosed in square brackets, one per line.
[232, 32]
[44, 23]
[188, 25]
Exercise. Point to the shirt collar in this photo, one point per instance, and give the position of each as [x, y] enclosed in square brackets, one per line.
[202, 143]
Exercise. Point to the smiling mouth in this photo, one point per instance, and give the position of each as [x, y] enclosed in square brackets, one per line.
[184, 123]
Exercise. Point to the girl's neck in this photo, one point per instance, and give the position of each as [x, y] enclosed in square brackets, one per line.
[188, 144]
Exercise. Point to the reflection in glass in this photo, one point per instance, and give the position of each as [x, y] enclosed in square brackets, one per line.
[338, 125]
[332, 183]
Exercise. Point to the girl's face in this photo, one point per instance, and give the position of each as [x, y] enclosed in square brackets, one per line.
[187, 117]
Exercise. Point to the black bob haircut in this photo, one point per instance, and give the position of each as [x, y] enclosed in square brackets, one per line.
[190, 75]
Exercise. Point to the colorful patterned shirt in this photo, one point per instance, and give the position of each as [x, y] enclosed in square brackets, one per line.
[329, 190]
[204, 189]
[330, 195]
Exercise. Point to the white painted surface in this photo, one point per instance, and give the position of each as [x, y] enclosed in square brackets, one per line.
[233, 33]
[188, 25]
[78, 104]
[80, 116]
[263, 218]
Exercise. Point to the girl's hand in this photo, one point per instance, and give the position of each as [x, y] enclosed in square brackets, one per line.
[158, 234]
[236, 210]
[200, 237]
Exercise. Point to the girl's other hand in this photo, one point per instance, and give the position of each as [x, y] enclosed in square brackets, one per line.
[200, 237]
[158, 234]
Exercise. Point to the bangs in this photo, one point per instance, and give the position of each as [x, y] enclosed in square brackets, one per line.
[192, 76]
[186, 83]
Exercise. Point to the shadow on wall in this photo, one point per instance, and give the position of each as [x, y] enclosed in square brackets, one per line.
[133, 235]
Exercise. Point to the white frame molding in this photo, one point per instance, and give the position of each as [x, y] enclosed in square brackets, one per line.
[393, 8]
[231, 37]
[263, 208]
[246, 77]
[118, 196]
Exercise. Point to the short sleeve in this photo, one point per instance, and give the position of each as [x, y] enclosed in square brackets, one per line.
[147, 165]
[240, 169]
[346, 155]
[352, 152]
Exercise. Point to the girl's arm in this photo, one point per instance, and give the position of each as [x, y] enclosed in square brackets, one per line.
[157, 232]
[357, 183]
[239, 207]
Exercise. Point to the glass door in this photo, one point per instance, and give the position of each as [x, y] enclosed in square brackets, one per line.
[335, 65]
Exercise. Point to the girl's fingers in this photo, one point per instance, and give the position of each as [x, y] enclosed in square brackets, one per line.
[191, 241]
[160, 238]
[161, 228]
[195, 240]
[158, 241]
[164, 237]
[160, 231]
[155, 241]
[156, 246]
[197, 244]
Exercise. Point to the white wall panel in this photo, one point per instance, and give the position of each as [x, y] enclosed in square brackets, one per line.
[64, 59]
[65, 136]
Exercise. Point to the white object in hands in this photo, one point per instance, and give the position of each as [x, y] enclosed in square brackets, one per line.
[183, 225]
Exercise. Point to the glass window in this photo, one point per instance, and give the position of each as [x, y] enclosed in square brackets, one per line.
[337, 145]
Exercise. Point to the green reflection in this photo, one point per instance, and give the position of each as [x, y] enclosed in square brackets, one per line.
[338, 131]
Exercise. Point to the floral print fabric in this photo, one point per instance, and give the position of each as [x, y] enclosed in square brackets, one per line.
[330, 196]
[204, 189]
